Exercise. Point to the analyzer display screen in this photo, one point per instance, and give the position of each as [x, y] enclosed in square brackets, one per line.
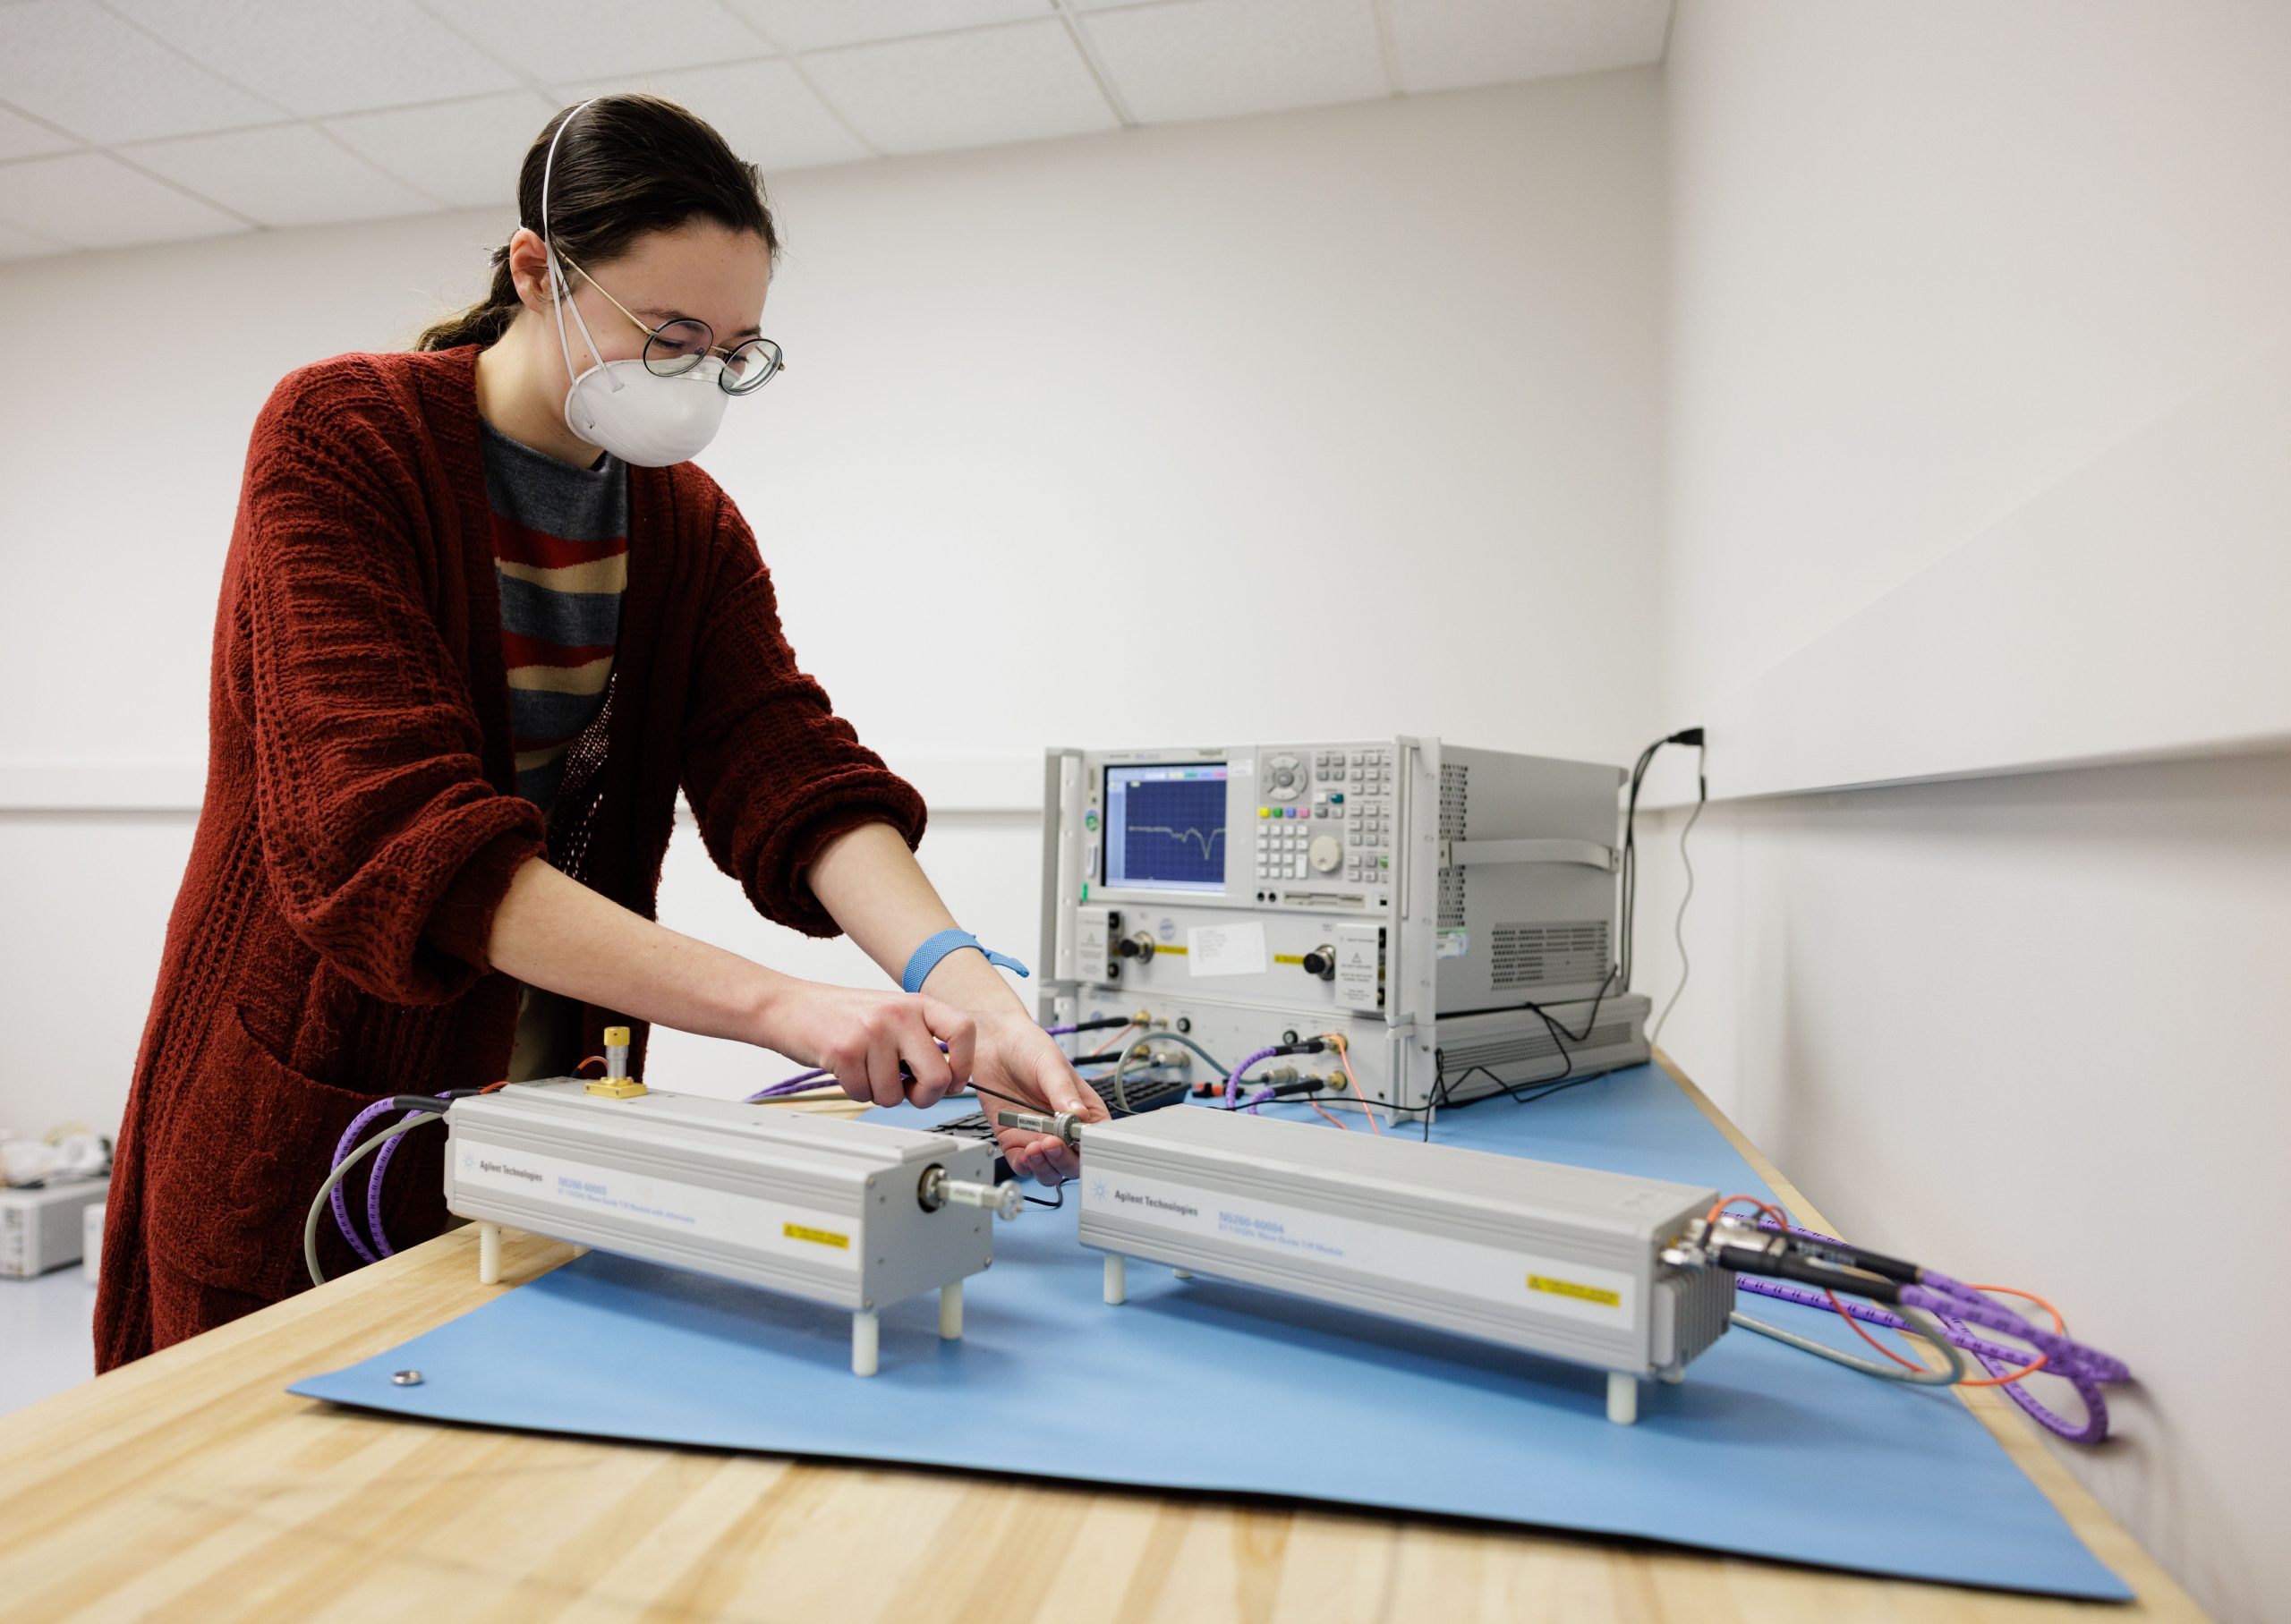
[1165, 826]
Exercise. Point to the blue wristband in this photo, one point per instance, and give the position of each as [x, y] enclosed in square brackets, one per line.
[926, 957]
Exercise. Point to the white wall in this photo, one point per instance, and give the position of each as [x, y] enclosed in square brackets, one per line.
[1932, 265]
[1177, 434]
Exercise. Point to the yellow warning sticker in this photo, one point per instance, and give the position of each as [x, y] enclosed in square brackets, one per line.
[822, 1237]
[1576, 1289]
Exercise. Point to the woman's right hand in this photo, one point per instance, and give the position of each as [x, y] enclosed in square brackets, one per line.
[863, 1037]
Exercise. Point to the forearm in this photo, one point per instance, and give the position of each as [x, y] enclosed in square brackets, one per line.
[552, 931]
[880, 895]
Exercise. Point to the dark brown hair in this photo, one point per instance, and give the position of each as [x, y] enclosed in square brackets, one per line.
[629, 165]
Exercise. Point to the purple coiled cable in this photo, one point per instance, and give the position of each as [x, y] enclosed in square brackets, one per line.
[340, 1203]
[1234, 1077]
[1959, 1307]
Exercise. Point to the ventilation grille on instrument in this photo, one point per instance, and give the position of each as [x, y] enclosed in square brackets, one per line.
[1537, 956]
[1534, 1047]
[1455, 786]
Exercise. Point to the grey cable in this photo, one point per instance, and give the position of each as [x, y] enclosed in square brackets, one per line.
[1121, 1069]
[1121, 1066]
[311, 1224]
[1678, 929]
[1921, 1377]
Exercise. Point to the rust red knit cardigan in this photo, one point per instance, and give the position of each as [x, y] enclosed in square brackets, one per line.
[361, 821]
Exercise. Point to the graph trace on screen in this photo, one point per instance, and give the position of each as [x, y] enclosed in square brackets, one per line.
[1172, 828]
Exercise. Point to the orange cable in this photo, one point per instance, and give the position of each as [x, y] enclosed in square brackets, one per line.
[1118, 1039]
[1344, 1053]
[2059, 1328]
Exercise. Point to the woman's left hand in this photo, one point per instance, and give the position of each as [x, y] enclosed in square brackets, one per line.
[1017, 1057]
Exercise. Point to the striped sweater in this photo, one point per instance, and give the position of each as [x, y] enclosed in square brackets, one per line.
[560, 547]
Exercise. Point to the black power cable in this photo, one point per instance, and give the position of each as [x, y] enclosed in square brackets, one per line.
[1628, 885]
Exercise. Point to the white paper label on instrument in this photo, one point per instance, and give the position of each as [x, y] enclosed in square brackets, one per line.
[1226, 949]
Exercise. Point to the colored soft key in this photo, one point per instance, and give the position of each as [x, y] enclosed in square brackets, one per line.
[1208, 1385]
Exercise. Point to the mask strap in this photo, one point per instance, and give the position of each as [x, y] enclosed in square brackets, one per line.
[560, 291]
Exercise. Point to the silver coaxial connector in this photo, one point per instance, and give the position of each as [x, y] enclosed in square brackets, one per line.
[938, 1190]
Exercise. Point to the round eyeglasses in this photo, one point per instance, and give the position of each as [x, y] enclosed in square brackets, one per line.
[678, 345]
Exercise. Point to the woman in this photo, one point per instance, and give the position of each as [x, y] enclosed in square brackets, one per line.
[479, 619]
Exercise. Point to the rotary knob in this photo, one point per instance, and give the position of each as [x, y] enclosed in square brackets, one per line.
[1326, 854]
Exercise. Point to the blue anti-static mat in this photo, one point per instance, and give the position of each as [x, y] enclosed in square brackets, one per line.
[1203, 1385]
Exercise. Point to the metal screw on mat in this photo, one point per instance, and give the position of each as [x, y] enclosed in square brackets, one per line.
[406, 1378]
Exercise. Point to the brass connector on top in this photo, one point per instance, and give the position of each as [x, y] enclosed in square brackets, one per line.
[617, 1084]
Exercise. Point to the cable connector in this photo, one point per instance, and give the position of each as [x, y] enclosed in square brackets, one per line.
[616, 1084]
[1729, 1243]
[938, 1190]
[1065, 1126]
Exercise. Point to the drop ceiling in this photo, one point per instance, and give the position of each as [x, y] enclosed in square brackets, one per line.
[148, 121]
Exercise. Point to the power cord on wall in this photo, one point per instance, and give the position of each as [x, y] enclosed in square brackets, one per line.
[1628, 882]
[1678, 926]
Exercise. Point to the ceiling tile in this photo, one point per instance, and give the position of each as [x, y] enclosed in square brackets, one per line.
[341, 56]
[91, 200]
[1020, 82]
[19, 137]
[560, 40]
[463, 153]
[1217, 58]
[74, 65]
[763, 109]
[812, 25]
[290, 176]
[15, 244]
[1439, 45]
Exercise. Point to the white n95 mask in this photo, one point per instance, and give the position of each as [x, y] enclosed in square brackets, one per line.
[632, 412]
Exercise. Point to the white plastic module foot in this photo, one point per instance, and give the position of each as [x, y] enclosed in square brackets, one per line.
[1117, 1279]
[489, 1254]
[1623, 1397]
[950, 1311]
[1672, 1377]
[1185, 1274]
[866, 1342]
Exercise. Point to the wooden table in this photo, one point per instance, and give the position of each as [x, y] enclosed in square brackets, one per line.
[191, 1486]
